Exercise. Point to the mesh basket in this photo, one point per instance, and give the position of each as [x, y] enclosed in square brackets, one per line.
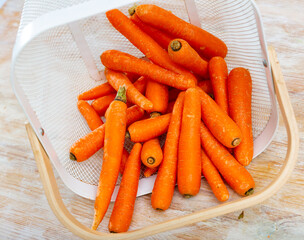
[56, 57]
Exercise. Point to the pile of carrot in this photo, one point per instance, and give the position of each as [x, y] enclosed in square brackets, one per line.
[186, 92]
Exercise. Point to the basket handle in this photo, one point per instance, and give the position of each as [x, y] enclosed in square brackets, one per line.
[65, 217]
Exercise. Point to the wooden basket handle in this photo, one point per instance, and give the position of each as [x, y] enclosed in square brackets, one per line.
[65, 217]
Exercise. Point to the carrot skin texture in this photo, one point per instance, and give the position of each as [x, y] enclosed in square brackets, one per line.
[101, 104]
[205, 43]
[121, 216]
[240, 90]
[97, 92]
[123, 62]
[214, 178]
[140, 84]
[218, 122]
[158, 94]
[150, 171]
[206, 86]
[89, 114]
[163, 189]
[124, 157]
[151, 154]
[189, 150]
[236, 175]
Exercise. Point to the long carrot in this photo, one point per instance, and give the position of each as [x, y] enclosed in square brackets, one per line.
[144, 42]
[117, 79]
[219, 123]
[232, 171]
[183, 54]
[214, 178]
[151, 154]
[115, 128]
[89, 114]
[121, 216]
[239, 92]
[97, 92]
[125, 155]
[150, 171]
[147, 129]
[88, 145]
[218, 75]
[140, 84]
[166, 177]
[158, 94]
[124, 62]
[101, 104]
[206, 86]
[205, 43]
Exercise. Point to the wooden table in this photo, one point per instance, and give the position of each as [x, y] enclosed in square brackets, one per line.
[25, 213]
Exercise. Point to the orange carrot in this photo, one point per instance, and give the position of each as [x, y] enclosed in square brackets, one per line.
[166, 177]
[89, 114]
[218, 74]
[150, 171]
[205, 43]
[120, 61]
[97, 92]
[147, 129]
[117, 79]
[173, 94]
[151, 154]
[121, 216]
[125, 155]
[101, 104]
[214, 178]
[144, 42]
[132, 77]
[170, 106]
[160, 37]
[115, 128]
[140, 84]
[206, 86]
[88, 145]
[183, 54]
[239, 89]
[219, 123]
[232, 171]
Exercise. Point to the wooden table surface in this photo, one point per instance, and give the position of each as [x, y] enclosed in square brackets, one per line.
[25, 213]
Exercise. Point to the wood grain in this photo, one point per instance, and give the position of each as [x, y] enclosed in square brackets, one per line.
[25, 213]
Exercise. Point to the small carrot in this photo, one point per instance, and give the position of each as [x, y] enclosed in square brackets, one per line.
[124, 62]
[218, 72]
[219, 123]
[115, 128]
[89, 114]
[144, 42]
[125, 155]
[166, 177]
[183, 54]
[88, 145]
[140, 84]
[170, 106]
[147, 129]
[173, 94]
[239, 92]
[97, 92]
[101, 104]
[205, 43]
[214, 178]
[189, 150]
[238, 178]
[117, 79]
[121, 216]
[206, 86]
[151, 154]
[150, 171]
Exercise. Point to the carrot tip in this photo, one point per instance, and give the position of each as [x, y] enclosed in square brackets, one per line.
[132, 10]
[188, 195]
[72, 157]
[155, 114]
[175, 45]
[249, 192]
[236, 142]
[150, 160]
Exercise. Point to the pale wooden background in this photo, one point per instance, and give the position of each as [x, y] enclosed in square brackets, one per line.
[24, 211]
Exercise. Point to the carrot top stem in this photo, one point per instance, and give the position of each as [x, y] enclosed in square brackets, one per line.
[151, 160]
[128, 135]
[154, 114]
[72, 157]
[249, 192]
[131, 10]
[176, 45]
[236, 141]
[121, 94]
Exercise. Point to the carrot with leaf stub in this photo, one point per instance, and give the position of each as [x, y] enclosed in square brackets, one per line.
[101, 104]
[89, 114]
[151, 154]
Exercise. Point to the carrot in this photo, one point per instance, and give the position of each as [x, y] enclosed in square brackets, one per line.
[132, 77]
[160, 37]
[125, 155]
[170, 106]
[140, 84]
[150, 171]
[218, 72]
[238, 178]
[144, 42]
[166, 177]
[101, 104]
[121, 216]
[147, 129]
[97, 92]
[239, 92]
[205, 43]
[214, 178]
[120, 61]
[115, 128]
[88, 145]
[89, 114]
[158, 94]
[206, 86]
[183, 54]
[219, 123]
[151, 154]
[117, 79]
